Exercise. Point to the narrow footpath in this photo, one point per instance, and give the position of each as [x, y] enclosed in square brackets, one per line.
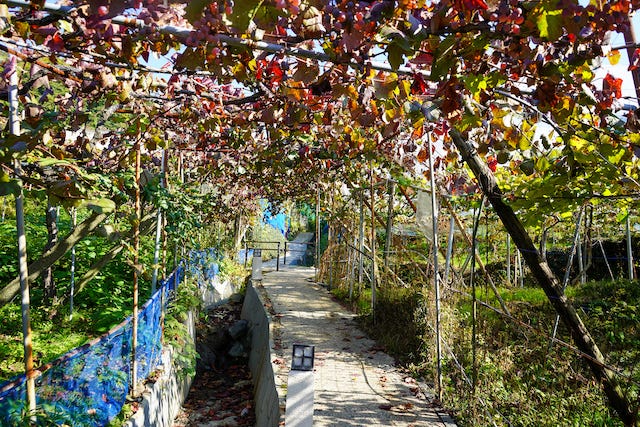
[355, 382]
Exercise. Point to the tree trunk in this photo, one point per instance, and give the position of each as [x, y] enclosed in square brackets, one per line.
[49, 285]
[547, 280]
[239, 230]
[37, 267]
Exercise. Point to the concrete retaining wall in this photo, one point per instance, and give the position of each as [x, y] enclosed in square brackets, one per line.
[162, 400]
[269, 409]
[217, 292]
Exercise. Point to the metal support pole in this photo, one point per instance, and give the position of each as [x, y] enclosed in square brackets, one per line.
[278, 258]
[629, 249]
[14, 125]
[284, 261]
[508, 259]
[567, 272]
[361, 239]
[435, 268]
[136, 261]
[156, 251]
[447, 266]
[73, 265]
[317, 263]
[246, 253]
[387, 243]
[373, 244]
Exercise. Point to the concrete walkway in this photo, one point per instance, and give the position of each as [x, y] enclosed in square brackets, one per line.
[355, 384]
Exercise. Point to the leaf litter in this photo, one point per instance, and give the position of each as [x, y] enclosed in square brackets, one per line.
[222, 391]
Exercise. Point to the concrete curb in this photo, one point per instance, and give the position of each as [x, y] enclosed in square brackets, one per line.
[269, 399]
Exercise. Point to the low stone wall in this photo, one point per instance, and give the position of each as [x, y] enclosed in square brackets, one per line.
[162, 400]
[268, 407]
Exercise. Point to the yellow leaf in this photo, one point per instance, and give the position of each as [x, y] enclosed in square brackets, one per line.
[614, 57]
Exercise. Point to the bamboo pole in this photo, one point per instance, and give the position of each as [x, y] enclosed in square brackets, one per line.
[14, 125]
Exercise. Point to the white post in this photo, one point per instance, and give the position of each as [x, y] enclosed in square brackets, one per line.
[14, 125]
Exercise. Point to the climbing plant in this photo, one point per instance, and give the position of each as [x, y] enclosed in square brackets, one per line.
[276, 99]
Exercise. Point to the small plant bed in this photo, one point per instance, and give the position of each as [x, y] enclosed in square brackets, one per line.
[222, 391]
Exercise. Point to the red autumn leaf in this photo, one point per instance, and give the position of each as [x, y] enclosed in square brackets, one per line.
[492, 162]
[613, 84]
[55, 42]
[419, 86]
[275, 72]
[475, 4]
[634, 64]
[260, 69]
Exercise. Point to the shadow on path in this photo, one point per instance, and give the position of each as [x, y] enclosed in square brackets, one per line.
[355, 382]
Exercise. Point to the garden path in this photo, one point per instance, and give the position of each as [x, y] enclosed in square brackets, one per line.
[355, 382]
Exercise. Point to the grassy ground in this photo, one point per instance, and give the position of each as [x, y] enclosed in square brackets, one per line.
[520, 379]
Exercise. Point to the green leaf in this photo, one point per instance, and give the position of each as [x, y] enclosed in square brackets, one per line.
[443, 58]
[396, 56]
[475, 83]
[550, 24]
[100, 205]
[243, 12]
[194, 9]
[10, 187]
